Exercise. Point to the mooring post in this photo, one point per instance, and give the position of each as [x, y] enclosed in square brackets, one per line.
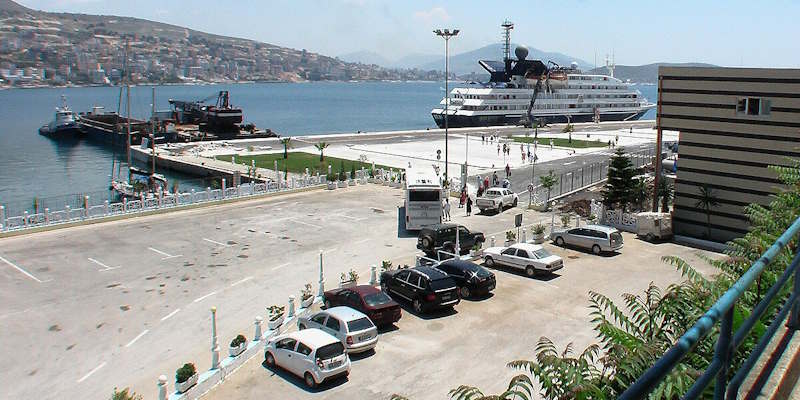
[321, 277]
[492, 240]
[68, 211]
[3, 217]
[162, 387]
[290, 313]
[523, 238]
[25, 218]
[258, 335]
[47, 215]
[373, 275]
[214, 341]
[86, 206]
[105, 207]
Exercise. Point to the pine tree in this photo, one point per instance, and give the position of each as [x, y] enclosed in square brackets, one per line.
[619, 189]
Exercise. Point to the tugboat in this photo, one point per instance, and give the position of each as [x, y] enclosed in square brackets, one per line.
[64, 125]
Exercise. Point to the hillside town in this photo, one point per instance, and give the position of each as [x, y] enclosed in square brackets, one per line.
[49, 49]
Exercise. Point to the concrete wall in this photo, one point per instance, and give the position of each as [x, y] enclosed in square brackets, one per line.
[727, 150]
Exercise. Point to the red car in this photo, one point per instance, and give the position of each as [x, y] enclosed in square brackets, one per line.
[380, 308]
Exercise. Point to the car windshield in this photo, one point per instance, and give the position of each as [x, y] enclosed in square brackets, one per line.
[330, 351]
[615, 236]
[443, 283]
[542, 253]
[359, 324]
[376, 299]
[491, 194]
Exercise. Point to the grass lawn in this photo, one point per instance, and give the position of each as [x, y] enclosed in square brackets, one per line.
[562, 142]
[299, 161]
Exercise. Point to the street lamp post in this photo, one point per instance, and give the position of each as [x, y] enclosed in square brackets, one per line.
[446, 34]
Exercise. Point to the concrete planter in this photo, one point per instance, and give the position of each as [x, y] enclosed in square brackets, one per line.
[537, 238]
[370, 180]
[331, 185]
[510, 242]
[342, 184]
[183, 387]
[385, 183]
[347, 284]
[378, 181]
[351, 182]
[305, 303]
[235, 351]
[363, 181]
[274, 324]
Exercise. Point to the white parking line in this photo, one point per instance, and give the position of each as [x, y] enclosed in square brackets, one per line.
[166, 317]
[279, 266]
[105, 267]
[97, 368]
[241, 281]
[166, 256]
[201, 298]
[306, 223]
[217, 243]
[139, 336]
[15, 266]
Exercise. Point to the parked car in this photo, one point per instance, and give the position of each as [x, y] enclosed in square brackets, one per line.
[598, 238]
[471, 278]
[351, 327]
[379, 307]
[311, 354]
[443, 237]
[426, 288]
[530, 258]
[497, 199]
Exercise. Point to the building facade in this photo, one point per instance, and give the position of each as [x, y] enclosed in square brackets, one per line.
[734, 123]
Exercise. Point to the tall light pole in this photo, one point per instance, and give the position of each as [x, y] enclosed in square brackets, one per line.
[446, 34]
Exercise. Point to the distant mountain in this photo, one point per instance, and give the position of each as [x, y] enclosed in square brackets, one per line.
[643, 73]
[416, 60]
[466, 63]
[366, 57]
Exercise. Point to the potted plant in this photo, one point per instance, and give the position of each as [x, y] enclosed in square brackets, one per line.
[331, 181]
[275, 316]
[475, 250]
[349, 279]
[306, 297]
[565, 220]
[538, 234]
[386, 265]
[238, 345]
[592, 218]
[185, 377]
[511, 238]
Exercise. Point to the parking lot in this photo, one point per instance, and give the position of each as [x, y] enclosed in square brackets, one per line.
[425, 356]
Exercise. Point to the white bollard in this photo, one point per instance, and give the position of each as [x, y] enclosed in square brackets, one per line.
[25, 218]
[47, 216]
[208, 193]
[162, 387]
[191, 197]
[3, 217]
[124, 204]
[214, 340]
[68, 211]
[522, 238]
[321, 277]
[223, 188]
[105, 207]
[258, 335]
[290, 313]
[491, 240]
[86, 206]
[373, 275]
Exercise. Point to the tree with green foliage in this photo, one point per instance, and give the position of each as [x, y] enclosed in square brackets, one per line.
[321, 146]
[707, 200]
[342, 175]
[665, 192]
[287, 144]
[547, 182]
[641, 193]
[125, 394]
[619, 188]
[352, 170]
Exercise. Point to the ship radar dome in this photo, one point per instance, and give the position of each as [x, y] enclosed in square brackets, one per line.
[521, 52]
[574, 65]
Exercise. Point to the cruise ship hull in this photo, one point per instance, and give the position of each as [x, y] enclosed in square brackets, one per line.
[468, 121]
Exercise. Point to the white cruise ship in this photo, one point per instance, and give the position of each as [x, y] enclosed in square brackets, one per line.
[520, 91]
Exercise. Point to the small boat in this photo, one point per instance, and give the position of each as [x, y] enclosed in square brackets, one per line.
[142, 183]
[64, 125]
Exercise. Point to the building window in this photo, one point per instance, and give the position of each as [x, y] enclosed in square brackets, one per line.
[753, 106]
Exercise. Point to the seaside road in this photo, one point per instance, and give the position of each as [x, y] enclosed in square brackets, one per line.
[87, 309]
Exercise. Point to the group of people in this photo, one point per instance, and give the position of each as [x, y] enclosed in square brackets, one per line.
[464, 201]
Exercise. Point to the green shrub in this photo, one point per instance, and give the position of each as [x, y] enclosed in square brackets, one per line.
[125, 394]
[511, 235]
[238, 340]
[565, 218]
[538, 229]
[185, 372]
[275, 312]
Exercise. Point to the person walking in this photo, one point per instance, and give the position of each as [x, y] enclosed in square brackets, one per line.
[551, 144]
[447, 209]
[498, 149]
[486, 182]
[469, 206]
[495, 179]
[508, 171]
[463, 197]
[483, 139]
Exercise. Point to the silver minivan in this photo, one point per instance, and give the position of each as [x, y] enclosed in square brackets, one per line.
[598, 238]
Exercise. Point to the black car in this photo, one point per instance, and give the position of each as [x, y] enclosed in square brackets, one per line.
[443, 237]
[425, 287]
[471, 278]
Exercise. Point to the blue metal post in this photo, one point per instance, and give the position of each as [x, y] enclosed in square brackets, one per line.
[794, 317]
[723, 353]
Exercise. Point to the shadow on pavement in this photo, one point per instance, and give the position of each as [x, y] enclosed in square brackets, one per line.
[298, 381]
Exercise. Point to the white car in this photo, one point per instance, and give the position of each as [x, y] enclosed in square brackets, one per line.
[354, 329]
[311, 354]
[531, 258]
[497, 199]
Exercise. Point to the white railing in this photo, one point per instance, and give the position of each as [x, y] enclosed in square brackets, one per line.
[107, 209]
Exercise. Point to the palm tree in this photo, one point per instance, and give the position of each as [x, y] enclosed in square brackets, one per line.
[547, 182]
[706, 201]
[665, 192]
[286, 146]
[321, 146]
[640, 192]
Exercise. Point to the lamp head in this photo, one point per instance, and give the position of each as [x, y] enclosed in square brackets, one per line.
[455, 32]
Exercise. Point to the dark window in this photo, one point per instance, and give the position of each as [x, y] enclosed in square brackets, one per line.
[576, 231]
[359, 325]
[376, 299]
[403, 275]
[615, 236]
[423, 195]
[509, 251]
[287, 344]
[303, 349]
[416, 280]
[319, 318]
[330, 351]
[333, 323]
[444, 283]
[462, 231]
[753, 106]
[447, 268]
[522, 253]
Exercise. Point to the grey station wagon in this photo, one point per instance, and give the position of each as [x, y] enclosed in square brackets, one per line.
[598, 238]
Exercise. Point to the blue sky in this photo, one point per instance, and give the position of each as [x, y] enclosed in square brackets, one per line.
[730, 33]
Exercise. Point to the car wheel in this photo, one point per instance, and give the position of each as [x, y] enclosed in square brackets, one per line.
[489, 262]
[417, 306]
[270, 360]
[427, 242]
[515, 203]
[560, 241]
[465, 293]
[309, 379]
[530, 271]
[500, 208]
[327, 304]
[301, 326]
[649, 237]
[596, 249]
